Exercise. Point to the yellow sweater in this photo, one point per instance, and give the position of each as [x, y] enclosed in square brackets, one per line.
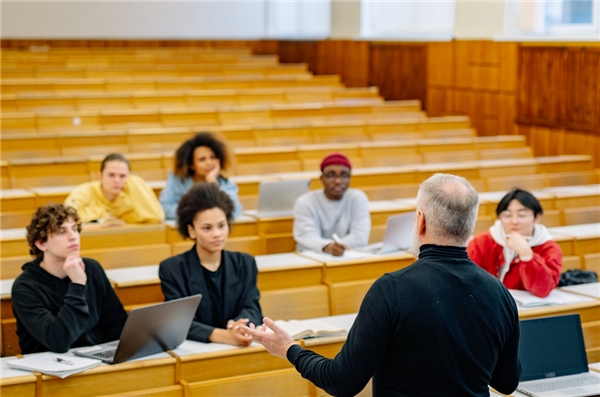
[136, 203]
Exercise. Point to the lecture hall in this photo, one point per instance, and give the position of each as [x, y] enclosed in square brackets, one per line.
[372, 198]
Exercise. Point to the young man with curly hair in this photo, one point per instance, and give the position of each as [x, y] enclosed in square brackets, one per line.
[62, 300]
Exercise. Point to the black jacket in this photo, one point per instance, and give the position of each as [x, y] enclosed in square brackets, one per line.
[182, 276]
[55, 314]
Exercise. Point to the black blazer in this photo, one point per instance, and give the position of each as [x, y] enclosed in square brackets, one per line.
[182, 276]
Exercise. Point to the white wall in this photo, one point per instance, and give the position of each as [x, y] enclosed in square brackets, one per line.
[479, 19]
[198, 19]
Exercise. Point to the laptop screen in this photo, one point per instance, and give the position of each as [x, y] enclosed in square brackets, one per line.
[552, 346]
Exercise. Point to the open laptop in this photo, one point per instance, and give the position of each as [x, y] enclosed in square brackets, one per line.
[148, 330]
[553, 357]
[397, 236]
[277, 198]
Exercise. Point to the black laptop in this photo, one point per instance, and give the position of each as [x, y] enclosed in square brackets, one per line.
[148, 330]
[553, 357]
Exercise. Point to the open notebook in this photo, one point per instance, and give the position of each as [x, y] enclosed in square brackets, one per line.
[300, 329]
[555, 298]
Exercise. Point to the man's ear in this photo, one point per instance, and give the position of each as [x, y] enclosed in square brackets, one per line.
[40, 245]
[421, 223]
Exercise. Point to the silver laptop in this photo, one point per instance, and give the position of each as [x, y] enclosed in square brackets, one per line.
[277, 198]
[397, 236]
[553, 357]
[148, 330]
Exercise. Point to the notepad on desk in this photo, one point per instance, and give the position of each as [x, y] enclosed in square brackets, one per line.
[60, 365]
[300, 329]
[556, 298]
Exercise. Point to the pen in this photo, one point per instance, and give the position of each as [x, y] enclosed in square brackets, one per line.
[63, 361]
[337, 239]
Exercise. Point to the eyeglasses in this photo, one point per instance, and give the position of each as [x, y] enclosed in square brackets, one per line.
[332, 176]
[507, 216]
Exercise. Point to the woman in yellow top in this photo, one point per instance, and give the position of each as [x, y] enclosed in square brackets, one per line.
[117, 197]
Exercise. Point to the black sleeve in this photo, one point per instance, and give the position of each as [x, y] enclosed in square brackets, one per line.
[56, 332]
[365, 348]
[250, 304]
[507, 373]
[172, 285]
[113, 316]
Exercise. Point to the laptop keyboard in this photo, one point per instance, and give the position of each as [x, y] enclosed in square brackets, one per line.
[563, 384]
[105, 354]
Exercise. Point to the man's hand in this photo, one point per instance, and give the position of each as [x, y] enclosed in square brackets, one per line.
[277, 342]
[234, 334]
[516, 242]
[75, 269]
[212, 176]
[335, 249]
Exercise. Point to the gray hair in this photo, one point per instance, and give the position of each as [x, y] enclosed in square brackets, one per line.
[450, 205]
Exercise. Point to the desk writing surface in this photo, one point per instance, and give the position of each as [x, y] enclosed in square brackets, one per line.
[349, 255]
[157, 185]
[590, 289]
[577, 231]
[7, 372]
[189, 347]
[134, 274]
[271, 262]
[595, 367]
[6, 194]
[6, 287]
[10, 234]
[389, 205]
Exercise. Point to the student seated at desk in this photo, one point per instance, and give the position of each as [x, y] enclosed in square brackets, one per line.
[337, 209]
[61, 300]
[517, 249]
[226, 280]
[118, 197]
[199, 159]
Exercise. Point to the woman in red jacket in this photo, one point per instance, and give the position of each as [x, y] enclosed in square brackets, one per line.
[517, 249]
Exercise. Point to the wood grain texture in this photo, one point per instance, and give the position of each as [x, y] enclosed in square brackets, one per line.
[559, 88]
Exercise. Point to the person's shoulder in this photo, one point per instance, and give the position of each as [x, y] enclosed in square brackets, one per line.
[174, 261]
[481, 238]
[237, 257]
[92, 265]
[308, 198]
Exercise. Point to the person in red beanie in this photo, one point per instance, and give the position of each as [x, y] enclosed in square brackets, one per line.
[336, 210]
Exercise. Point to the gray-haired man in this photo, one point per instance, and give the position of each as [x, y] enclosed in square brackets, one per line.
[440, 327]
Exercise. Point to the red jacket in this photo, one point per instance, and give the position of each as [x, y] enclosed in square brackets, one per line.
[539, 275]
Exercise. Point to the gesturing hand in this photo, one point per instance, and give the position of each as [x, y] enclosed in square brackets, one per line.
[277, 341]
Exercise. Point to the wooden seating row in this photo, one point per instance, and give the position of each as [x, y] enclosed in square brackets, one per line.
[79, 60]
[144, 140]
[180, 99]
[155, 166]
[47, 52]
[157, 84]
[171, 117]
[175, 70]
[140, 245]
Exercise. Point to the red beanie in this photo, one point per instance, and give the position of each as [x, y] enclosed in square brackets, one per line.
[337, 159]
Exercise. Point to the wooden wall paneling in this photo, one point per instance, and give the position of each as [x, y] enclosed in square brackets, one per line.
[508, 73]
[399, 71]
[440, 78]
[558, 87]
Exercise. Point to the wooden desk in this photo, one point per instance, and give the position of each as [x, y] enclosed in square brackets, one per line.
[137, 285]
[586, 237]
[291, 287]
[349, 279]
[147, 373]
[15, 382]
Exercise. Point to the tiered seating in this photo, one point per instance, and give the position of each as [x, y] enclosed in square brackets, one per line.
[280, 121]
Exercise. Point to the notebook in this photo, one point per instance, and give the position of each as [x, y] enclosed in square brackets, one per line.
[397, 236]
[553, 357]
[148, 330]
[277, 198]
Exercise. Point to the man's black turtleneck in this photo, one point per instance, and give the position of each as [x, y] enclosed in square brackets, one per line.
[440, 327]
